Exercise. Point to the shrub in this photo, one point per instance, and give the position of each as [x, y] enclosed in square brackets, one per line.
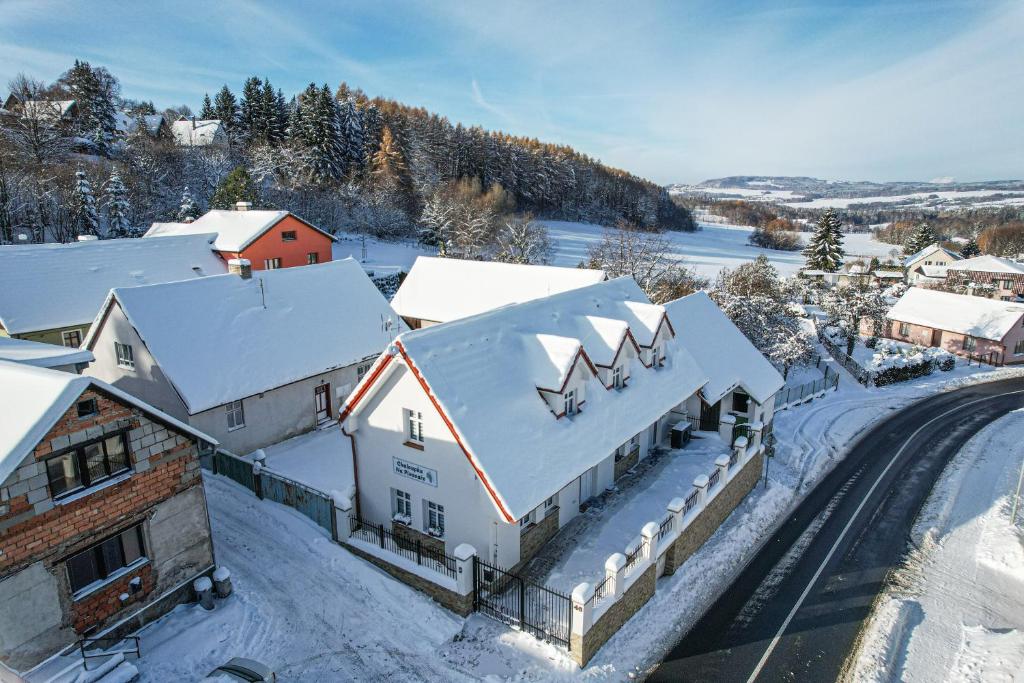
[947, 364]
[871, 342]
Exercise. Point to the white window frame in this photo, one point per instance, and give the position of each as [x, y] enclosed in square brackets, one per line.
[569, 403]
[64, 337]
[970, 343]
[904, 329]
[550, 503]
[1018, 348]
[617, 377]
[414, 425]
[125, 355]
[272, 263]
[235, 412]
[434, 519]
[401, 503]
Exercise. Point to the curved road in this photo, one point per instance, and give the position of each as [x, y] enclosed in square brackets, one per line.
[796, 609]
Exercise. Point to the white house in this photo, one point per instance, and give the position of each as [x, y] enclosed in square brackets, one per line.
[742, 383]
[494, 429]
[444, 289]
[52, 292]
[929, 264]
[203, 133]
[253, 357]
[66, 358]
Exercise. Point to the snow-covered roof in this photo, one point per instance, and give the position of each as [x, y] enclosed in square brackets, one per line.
[196, 133]
[726, 356]
[972, 315]
[46, 286]
[857, 269]
[889, 273]
[254, 335]
[235, 230]
[42, 355]
[56, 109]
[937, 272]
[33, 400]
[988, 264]
[443, 289]
[127, 123]
[484, 372]
[928, 251]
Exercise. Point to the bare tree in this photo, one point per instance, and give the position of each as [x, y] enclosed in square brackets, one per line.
[523, 240]
[36, 128]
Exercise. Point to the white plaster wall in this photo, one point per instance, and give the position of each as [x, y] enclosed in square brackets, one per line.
[179, 538]
[30, 616]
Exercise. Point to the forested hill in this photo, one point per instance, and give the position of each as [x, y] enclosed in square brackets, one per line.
[336, 157]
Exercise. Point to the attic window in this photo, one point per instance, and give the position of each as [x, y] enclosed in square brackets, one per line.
[87, 408]
[617, 377]
[740, 402]
[570, 403]
[288, 236]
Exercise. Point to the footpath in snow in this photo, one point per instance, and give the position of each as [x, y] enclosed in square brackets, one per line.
[955, 611]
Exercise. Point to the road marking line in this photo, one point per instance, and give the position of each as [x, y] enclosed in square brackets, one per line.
[814, 579]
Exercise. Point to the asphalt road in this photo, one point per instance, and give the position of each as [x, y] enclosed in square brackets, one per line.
[795, 611]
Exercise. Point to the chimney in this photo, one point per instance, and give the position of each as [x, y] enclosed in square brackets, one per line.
[240, 267]
[243, 206]
[87, 238]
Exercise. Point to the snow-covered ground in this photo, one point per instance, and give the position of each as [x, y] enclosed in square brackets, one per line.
[956, 609]
[381, 257]
[321, 458]
[918, 198]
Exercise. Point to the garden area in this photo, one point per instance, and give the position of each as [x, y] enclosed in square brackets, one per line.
[880, 362]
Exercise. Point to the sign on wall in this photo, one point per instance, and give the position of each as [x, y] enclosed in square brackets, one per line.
[424, 475]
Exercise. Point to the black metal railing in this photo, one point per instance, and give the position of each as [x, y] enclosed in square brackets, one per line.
[633, 556]
[409, 548]
[691, 501]
[714, 478]
[666, 526]
[131, 647]
[601, 591]
[790, 395]
[741, 430]
[507, 597]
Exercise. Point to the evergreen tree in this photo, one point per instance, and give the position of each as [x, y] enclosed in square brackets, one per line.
[95, 92]
[825, 249]
[189, 208]
[279, 120]
[315, 129]
[118, 224]
[225, 108]
[237, 186]
[207, 112]
[351, 124]
[971, 248]
[922, 237]
[84, 206]
[252, 116]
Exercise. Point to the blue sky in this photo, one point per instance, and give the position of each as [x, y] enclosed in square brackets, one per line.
[675, 91]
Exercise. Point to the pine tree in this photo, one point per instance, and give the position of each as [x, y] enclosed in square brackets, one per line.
[922, 237]
[237, 186]
[189, 208]
[117, 208]
[84, 206]
[825, 249]
[225, 108]
[351, 125]
[94, 92]
[252, 116]
[314, 128]
[970, 248]
[207, 113]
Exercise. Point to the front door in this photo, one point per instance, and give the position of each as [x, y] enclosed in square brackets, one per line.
[588, 483]
[710, 415]
[322, 402]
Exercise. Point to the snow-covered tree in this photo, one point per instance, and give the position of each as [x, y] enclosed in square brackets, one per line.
[207, 112]
[825, 249]
[923, 236]
[225, 108]
[189, 209]
[237, 186]
[84, 206]
[521, 239]
[848, 305]
[350, 123]
[95, 92]
[118, 208]
[971, 248]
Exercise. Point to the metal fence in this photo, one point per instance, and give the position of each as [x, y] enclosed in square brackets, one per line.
[788, 396]
[666, 526]
[841, 357]
[714, 478]
[409, 548]
[509, 598]
[691, 501]
[634, 555]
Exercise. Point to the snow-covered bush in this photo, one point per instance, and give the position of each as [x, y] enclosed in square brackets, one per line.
[947, 364]
[871, 342]
[894, 362]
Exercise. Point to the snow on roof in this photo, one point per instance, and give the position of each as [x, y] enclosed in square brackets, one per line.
[988, 264]
[235, 230]
[933, 271]
[972, 315]
[927, 251]
[484, 371]
[889, 273]
[42, 355]
[727, 357]
[254, 335]
[46, 286]
[55, 109]
[33, 400]
[443, 289]
[128, 123]
[196, 133]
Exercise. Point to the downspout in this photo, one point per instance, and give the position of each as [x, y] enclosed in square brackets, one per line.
[355, 469]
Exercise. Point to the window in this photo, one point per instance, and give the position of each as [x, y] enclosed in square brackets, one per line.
[271, 263]
[288, 236]
[435, 519]
[414, 425]
[236, 415]
[1004, 298]
[87, 408]
[87, 465]
[550, 503]
[570, 402]
[1018, 348]
[312, 257]
[526, 521]
[740, 402]
[1007, 284]
[362, 369]
[125, 355]
[617, 377]
[102, 560]
[656, 356]
[970, 343]
[904, 329]
[71, 338]
[402, 505]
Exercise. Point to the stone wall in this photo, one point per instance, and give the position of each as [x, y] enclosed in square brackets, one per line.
[582, 648]
[531, 540]
[409, 535]
[622, 466]
[711, 517]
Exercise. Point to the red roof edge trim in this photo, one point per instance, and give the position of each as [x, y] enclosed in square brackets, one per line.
[363, 389]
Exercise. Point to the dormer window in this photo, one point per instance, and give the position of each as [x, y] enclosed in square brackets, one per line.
[617, 377]
[656, 357]
[570, 402]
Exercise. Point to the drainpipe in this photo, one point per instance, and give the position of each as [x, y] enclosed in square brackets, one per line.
[355, 470]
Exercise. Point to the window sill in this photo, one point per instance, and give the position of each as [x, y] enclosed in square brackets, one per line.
[83, 493]
[235, 429]
[99, 585]
[413, 444]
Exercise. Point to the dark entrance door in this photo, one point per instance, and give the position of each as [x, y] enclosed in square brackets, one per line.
[709, 416]
[322, 403]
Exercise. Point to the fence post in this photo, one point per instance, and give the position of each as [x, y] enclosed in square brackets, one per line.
[342, 519]
[725, 425]
[613, 570]
[257, 468]
[465, 556]
[380, 535]
[583, 612]
[701, 484]
[650, 535]
[722, 463]
[419, 551]
[676, 507]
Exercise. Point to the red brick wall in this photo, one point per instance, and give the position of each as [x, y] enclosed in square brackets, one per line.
[97, 607]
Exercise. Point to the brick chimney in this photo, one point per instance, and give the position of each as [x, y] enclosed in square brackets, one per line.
[243, 206]
[240, 267]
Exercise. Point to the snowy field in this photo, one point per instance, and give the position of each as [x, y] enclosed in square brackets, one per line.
[957, 612]
[939, 199]
[381, 257]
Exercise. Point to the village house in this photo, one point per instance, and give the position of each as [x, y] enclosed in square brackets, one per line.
[51, 110]
[438, 290]
[250, 358]
[958, 323]
[497, 429]
[103, 520]
[929, 264]
[267, 239]
[153, 125]
[66, 358]
[991, 276]
[52, 292]
[188, 132]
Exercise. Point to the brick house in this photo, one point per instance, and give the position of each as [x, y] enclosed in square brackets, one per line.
[991, 276]
[267, 239]
[958, 323]
[103, 521]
